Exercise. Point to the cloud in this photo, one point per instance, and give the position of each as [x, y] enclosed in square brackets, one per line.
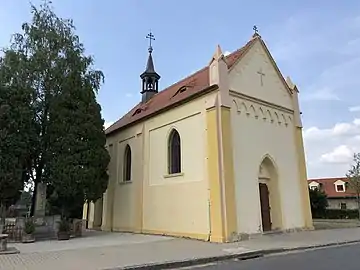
[354, 109]
[226, 53]
[107, 124]
[340, 154]
[128, 95]
[339, 130]
[329, 151]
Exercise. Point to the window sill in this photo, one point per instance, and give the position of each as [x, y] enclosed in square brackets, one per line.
[125, 182]
[173, 175]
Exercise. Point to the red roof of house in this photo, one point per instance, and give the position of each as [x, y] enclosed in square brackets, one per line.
[328, 186]
[196, 83]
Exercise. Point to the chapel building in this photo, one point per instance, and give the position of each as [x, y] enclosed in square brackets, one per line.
[216, 156]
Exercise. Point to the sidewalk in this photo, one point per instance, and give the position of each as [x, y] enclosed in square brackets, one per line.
[117, 250]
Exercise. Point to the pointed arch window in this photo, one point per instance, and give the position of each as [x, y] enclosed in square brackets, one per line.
[174, 152]
[127, 164]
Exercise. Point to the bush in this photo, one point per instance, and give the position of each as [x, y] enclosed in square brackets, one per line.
[64, 225]
[338, 214]
[318, 202]
[29, 227]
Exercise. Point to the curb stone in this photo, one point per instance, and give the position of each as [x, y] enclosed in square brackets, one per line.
[281, 250]
[238, 256]
[9, 251]
[192, 262]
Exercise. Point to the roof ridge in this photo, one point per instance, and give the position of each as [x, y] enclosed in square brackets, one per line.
[327, 178]
[207, 66]
[163, 98]
[164, 91]
[198, 71]
[181, 80]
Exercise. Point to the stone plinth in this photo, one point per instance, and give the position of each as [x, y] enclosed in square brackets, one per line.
[3, 242]
[78, 227]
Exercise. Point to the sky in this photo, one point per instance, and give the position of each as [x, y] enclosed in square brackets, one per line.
[317, 43]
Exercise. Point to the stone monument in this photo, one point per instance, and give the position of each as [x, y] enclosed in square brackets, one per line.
[40, 202]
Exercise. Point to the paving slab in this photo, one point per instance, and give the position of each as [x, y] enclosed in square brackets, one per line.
[90, 239]
[131, 251]
[113, 257]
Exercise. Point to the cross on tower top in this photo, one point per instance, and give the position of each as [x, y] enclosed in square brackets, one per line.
[256, 30]
[151, 37]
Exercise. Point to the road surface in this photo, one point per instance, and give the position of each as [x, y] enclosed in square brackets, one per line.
[335, 258]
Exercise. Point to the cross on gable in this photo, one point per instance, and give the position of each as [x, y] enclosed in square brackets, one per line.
[261, 73]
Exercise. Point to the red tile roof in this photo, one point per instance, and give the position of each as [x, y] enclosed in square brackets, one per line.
[195, 84]
[328, 186]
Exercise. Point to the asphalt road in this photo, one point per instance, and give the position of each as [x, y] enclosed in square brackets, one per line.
[335, 258]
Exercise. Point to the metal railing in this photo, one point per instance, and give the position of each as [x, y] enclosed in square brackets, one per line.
[14, 233]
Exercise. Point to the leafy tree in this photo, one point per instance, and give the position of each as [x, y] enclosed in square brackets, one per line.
[318, 202]
[69, 153]
[79, 159]
[353, 177]
[71, 207]
[25, 199]
[16, 127]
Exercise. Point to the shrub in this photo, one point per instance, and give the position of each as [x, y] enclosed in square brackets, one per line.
[29, 227]
[341, 214]
[318, 202]
[64, 225]
[337, 214]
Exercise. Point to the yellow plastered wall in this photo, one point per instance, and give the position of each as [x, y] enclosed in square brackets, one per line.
[85, 211]
[228, 167]
[221, 175]
[127, 196]
[303, 178]
[108, 198]
[216, 217]
[176, 204]
[155, 202]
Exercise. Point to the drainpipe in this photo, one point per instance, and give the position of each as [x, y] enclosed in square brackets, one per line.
[209, 204]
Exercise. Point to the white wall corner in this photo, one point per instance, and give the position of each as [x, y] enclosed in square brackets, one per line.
[211, 101]
[290, 83]
[295, 98]
[219, 75]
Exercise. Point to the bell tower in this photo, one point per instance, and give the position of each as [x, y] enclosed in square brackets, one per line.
[150, 79]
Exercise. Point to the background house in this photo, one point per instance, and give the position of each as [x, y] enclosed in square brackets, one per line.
[337, 190]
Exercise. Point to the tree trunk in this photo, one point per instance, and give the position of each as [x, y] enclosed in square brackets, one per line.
[2, 218]
[33, 199]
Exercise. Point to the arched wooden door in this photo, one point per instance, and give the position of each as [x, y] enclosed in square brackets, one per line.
[265, 207]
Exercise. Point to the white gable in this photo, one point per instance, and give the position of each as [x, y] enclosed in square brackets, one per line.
[314, 184]
[255, 76]
[339, 182]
